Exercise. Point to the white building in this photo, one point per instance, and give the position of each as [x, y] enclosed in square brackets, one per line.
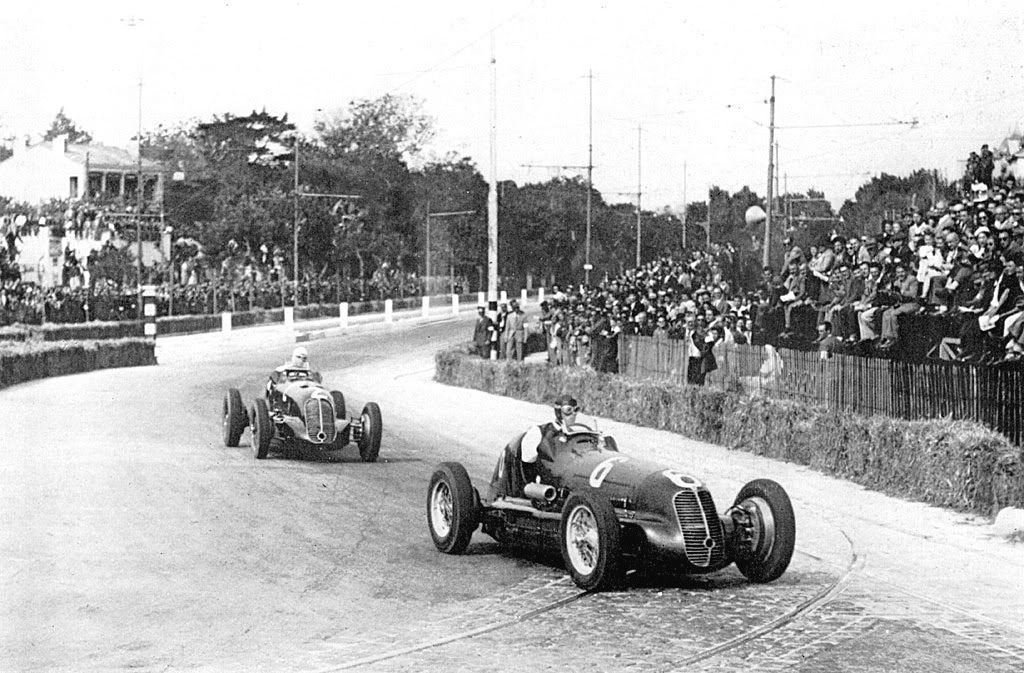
[56, 169]
[82, 173]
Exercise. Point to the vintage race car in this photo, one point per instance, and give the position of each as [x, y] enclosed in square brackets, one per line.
[606, 512]
[296, 407]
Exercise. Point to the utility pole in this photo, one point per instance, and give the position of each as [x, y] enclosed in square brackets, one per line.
[138, 206]
[587, 266]
[295, 226]
[685, 207]
[766, 254]
[639, 211]
[492, 192]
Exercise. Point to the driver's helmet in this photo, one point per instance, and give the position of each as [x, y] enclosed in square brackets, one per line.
[300, 358]
[565, 405]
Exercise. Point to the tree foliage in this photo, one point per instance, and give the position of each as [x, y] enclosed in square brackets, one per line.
[878, 198]
[64, 125]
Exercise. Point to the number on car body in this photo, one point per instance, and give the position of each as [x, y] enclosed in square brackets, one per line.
[600, 472]
[680, 479]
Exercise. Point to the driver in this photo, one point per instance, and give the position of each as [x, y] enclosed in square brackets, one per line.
[299, 360]
[566, 408]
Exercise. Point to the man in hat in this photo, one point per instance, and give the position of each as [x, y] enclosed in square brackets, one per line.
[482, 333]
[515, 332]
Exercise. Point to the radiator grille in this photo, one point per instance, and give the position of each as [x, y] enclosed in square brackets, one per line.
[320, 421]
[703, 538]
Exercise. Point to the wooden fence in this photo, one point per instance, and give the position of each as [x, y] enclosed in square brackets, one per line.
[990, 395]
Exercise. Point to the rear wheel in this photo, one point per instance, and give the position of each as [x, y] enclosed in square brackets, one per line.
[262, 429]
[234, 420]
[369, 440]
[591, 541]
[452, 507]
[766, 527]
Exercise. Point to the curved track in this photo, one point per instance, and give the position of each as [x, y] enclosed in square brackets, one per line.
[131, 538]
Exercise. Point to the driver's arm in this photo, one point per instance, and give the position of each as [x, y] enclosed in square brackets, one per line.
[528, 445]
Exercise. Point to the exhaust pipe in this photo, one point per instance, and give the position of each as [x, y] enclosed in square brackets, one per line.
[543, 492]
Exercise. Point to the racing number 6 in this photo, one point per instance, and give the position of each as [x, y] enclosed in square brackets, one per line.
[600, 472]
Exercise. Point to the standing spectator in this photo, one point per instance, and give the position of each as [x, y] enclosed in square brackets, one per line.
[515, 332]
[482, 333]
[827, 343]
[499, 329]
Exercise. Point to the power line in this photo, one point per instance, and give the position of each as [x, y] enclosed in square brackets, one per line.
[486, 34]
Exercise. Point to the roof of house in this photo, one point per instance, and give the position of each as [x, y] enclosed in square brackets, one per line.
[105, 157]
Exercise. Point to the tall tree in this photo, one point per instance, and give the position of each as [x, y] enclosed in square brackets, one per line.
[64, 125]
[389, 126]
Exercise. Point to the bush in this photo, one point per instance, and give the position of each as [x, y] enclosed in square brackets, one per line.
[956, 464]
[30, 360]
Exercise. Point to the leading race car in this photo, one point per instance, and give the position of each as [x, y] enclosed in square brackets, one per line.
[296, 407]
[605, 511]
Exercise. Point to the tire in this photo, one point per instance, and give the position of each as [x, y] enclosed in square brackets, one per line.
[262, 429]
[590, 539]
[341, 440]
[234, 420]
[772, 531]
[369, 441]
[452, 508]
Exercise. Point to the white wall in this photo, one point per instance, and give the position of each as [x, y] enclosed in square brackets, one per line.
[39, 174]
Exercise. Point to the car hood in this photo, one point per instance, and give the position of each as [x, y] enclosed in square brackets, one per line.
[300, 391]
[619, 476]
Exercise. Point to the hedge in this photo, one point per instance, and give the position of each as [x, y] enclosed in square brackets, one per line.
[20, 362]
[958, 464]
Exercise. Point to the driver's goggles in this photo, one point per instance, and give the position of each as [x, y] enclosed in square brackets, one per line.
[568, 409]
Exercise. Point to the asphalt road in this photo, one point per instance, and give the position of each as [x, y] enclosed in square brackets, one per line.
[131, 538]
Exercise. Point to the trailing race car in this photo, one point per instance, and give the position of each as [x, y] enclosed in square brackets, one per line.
[297, 408]
[606, 512]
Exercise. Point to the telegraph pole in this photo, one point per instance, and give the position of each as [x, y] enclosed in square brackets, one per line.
[639, 131]
[138, 205]
[295, 226]
[492, 191]
[684, 206]
[766, 255]
[587, 266]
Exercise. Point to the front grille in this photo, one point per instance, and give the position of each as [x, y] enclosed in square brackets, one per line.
[320, 421]
[703, 538]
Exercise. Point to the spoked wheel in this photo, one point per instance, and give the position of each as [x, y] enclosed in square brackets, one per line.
[451, 508]
[766, 527]
[262, 428]
[234, 420]
[369, 440]
[590, 540]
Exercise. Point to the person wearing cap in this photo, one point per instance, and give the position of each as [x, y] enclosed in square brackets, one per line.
[298, 361]
[541, 440]
[515, 332]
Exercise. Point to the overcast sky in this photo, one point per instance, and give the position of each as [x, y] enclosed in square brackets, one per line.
[695, 78]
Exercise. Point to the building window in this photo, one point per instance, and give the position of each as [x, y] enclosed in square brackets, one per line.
[73, 187]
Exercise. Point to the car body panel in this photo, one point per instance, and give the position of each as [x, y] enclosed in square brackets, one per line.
[667, 514]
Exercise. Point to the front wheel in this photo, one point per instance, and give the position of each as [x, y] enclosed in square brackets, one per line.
[369, 440]
[341, 440]
[590, 541]
[452, 507]
[233, 420]
[262, 429]
[766, 530]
